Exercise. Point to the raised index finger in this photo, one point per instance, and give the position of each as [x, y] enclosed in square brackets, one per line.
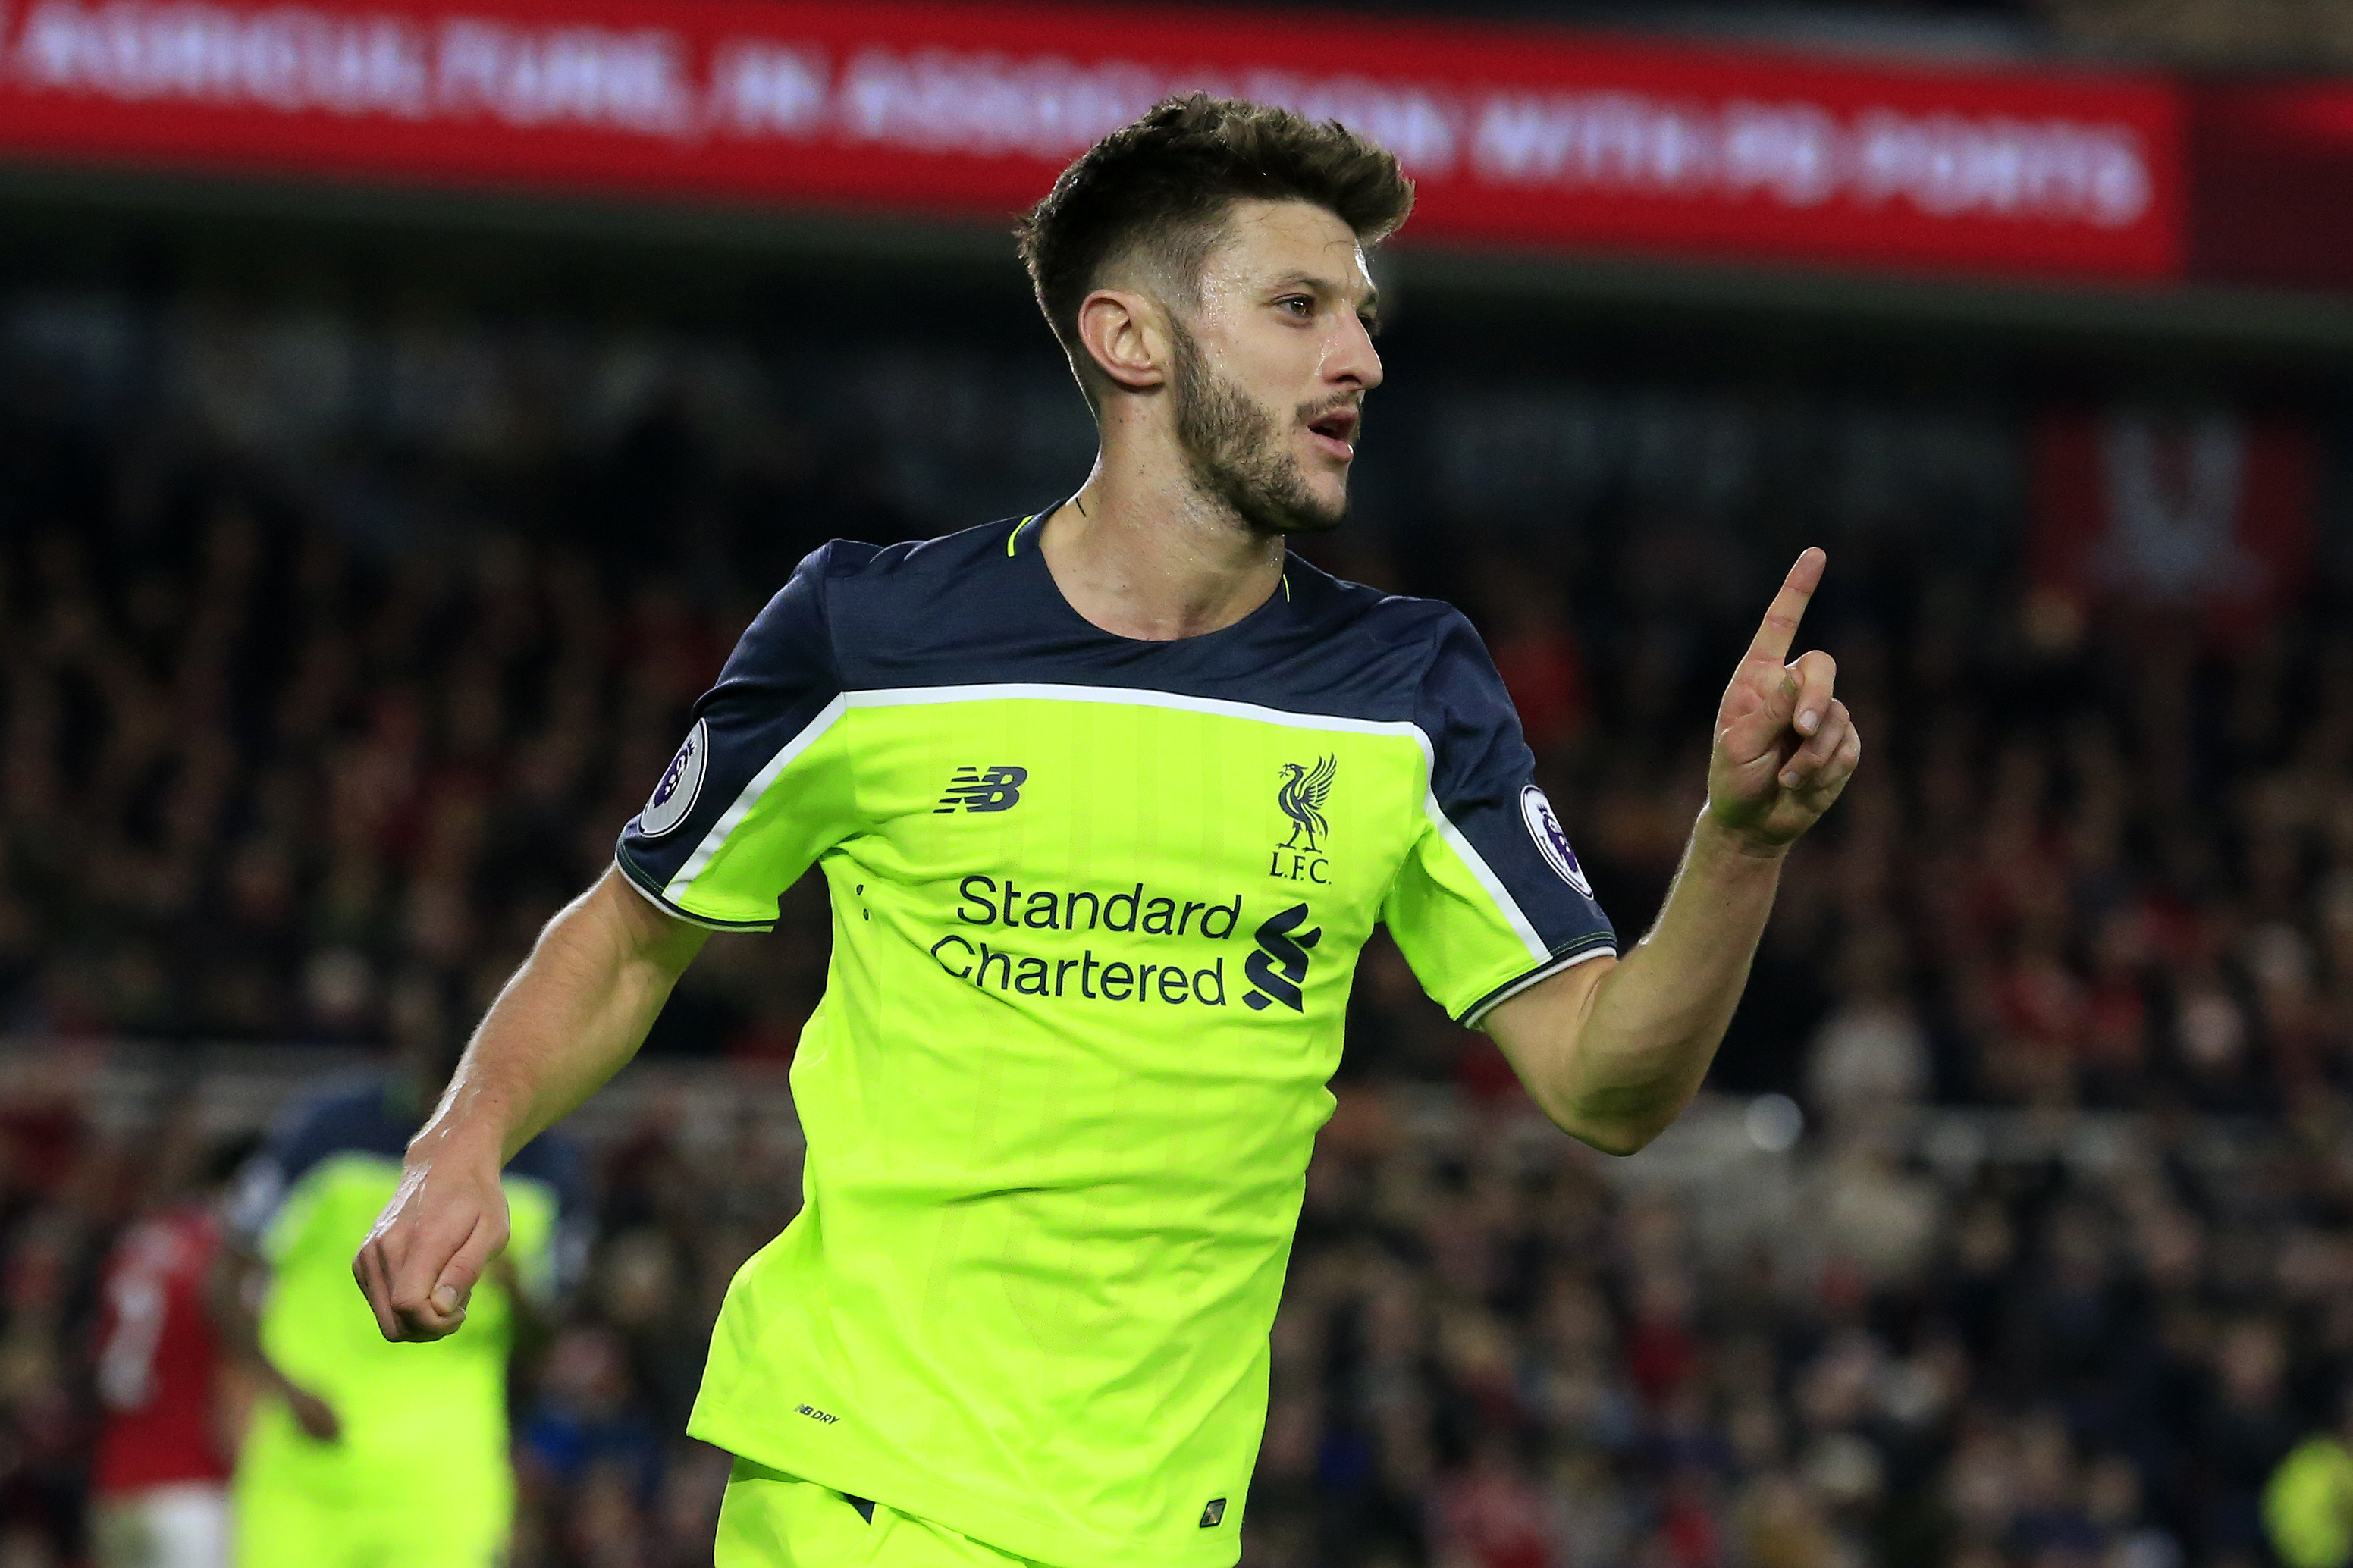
[1789, 607]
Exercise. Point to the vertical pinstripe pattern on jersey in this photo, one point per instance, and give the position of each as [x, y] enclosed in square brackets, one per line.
[1505, 905]
[1483, 874]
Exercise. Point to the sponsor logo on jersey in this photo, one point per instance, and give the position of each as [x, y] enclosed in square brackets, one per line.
[984, 901]
[974, 789]
[681, 784]
[1279, 966]
[1301, 796]
[985, 965]
[986, 906]
[1551, 842]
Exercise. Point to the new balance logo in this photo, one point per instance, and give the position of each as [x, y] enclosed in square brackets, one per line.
[1280, 964]
[998, 789]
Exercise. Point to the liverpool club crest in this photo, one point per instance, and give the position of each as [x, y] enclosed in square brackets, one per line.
[1304, 790]
[1302, 795]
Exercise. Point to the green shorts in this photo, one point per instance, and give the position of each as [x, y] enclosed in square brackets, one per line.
[773, 1521]
[297, 1503]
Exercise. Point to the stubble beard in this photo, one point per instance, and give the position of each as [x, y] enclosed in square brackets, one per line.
[1234, 449]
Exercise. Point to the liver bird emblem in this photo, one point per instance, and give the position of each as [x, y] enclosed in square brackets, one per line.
[1301, 797]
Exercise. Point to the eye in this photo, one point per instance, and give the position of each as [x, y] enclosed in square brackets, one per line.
[1302, 306]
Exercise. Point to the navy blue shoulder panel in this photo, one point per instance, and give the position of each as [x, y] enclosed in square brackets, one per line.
[552, 1158]
[347, 1115]
[979, 607]
[352, 1117]
[1483, 777]
[356, 1116]
[777, 683]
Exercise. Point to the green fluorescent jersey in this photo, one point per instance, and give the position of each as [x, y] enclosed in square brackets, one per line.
[2308, 1504]
[418, 1419]
[1097, 903]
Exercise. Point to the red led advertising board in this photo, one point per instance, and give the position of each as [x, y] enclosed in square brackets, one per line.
[1515, 137]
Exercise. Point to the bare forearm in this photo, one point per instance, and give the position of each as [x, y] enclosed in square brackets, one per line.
[233, 1294]
[569, 1019]
[231, 1288]
[1656, 1018]
[1614, 1052]
[573, 1014]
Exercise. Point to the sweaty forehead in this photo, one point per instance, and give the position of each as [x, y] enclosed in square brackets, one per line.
[1266, 242]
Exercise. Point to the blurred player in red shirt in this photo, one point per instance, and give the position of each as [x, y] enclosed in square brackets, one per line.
[159, 1482]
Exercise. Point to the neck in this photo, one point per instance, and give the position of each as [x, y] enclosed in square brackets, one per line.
[1142, 551]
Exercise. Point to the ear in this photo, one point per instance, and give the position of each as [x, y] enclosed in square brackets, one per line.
[1124, 336]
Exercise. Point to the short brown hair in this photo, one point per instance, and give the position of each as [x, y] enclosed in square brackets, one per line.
[1163, 185]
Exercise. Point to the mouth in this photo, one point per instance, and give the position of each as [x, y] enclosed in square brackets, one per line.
[1335, 432]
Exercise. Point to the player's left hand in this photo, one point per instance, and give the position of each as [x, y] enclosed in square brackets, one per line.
[1785, 746]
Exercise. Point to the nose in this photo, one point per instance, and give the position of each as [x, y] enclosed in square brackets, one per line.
[1350, 361]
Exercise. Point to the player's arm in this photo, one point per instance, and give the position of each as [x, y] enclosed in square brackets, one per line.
[238, 1279]
[1613, 1051]
[576, 1011]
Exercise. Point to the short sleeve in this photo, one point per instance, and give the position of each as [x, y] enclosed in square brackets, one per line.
[255, 1196]
[302, 1133]
[1490, 897]
[761, 785]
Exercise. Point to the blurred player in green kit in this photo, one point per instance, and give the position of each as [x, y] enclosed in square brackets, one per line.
[368, 1454]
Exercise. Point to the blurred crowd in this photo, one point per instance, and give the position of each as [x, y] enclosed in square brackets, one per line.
[333, 657]
[1497, 1354]
[269, 793]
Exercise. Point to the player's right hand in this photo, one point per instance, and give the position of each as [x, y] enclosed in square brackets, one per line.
[1785, 745]
[447, 1221]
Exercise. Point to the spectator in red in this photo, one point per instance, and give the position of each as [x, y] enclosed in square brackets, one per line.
[1493, 1516]
[1527, 632]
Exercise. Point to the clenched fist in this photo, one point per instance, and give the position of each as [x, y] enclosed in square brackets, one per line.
[447, 1221]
